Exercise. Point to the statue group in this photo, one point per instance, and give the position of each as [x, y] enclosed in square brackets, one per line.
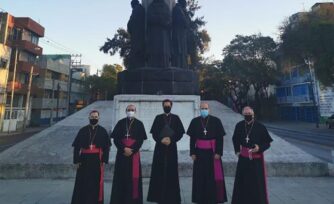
[158, 36]
[159, 50]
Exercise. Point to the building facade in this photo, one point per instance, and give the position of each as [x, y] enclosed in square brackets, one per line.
[79, 95]
[51, 102]
[22, 36]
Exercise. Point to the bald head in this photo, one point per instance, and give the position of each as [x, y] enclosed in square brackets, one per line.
[131, 107]
[247, 110]
[204, 105]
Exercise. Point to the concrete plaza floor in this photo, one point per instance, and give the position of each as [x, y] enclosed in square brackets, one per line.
[282, 190]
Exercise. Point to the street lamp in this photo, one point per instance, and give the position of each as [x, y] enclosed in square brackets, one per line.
[314, 87]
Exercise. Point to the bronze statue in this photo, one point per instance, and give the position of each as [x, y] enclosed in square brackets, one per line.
[181, 22]
[159, 22]
[136, 29]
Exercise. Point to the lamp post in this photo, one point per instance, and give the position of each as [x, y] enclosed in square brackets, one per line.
[314, 87]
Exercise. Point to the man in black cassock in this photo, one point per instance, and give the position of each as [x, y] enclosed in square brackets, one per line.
[167, 130]
[91, 150]
[129, 135]
[250, 140]
[206, 149]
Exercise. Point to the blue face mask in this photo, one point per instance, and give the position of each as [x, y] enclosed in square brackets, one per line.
[204, 113]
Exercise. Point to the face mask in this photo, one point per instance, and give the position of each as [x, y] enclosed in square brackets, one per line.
[204, 113]
[167, 109]
[93, 121]
[248, 118]
[130, 114]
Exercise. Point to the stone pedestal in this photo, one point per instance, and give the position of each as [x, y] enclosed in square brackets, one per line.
[148, 106]
[146, 80]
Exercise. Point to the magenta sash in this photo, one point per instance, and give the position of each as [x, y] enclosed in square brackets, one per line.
[245, 152]
[135, 168]
[218, 169]
[99, 151]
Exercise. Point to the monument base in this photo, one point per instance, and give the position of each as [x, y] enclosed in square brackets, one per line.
[148, 106]
[146, 80]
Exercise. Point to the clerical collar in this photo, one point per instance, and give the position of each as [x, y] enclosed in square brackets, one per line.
[167, 114]
[93, 127]
[250, 123]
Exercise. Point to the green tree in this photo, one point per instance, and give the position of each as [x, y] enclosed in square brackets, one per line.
[310, 39]
[120, 43]
[250, 61]
[104, 86]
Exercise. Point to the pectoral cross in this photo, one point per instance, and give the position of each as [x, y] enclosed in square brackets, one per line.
[91, 147]
[205, 131]
[127, 135]
[247, 139]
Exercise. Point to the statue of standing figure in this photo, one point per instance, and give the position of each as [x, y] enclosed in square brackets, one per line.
[181, 23]
[136, 29]
[159, 23]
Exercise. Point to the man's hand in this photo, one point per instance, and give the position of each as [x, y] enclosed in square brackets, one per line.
[217, 156]
[77, 165]
[255, 149]
[166, 141]
[127, 152]
[193, 157]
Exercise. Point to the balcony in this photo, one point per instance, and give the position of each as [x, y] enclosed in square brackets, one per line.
[21, 88]
[294, 99]
[26, 45]
[31, 25]
[51, 84]
[48, 103]
[25, 67]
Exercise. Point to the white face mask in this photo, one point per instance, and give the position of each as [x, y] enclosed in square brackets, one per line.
[130, 114]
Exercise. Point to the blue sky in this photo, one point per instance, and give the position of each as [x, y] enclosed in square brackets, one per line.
[81, 26]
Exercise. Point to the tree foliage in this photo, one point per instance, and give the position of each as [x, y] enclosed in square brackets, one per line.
[250, 62]
[311, 38]
[104, 86]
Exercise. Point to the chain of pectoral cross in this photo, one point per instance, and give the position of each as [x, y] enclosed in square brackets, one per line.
[248, 132]
[205, 131]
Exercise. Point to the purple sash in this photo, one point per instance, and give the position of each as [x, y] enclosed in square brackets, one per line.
[218, 169]
[135, 168]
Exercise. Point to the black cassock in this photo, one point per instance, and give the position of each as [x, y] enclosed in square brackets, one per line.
[127, 181]
[88, 188]
[208, 188]
[164, 184]
[250, 184]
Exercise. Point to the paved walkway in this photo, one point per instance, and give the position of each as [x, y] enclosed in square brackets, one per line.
[300, 126]
[290, 190]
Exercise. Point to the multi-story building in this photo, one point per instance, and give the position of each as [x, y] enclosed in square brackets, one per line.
[51, 102]
[79, 96]
[22, 36]
[5, 53]
[295, 95]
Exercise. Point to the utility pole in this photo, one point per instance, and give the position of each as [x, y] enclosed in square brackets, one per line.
[58, 89]
[28, 99]
[13, 90]
[51, 108]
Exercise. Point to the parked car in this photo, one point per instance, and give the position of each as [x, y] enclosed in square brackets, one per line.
[330, 121]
